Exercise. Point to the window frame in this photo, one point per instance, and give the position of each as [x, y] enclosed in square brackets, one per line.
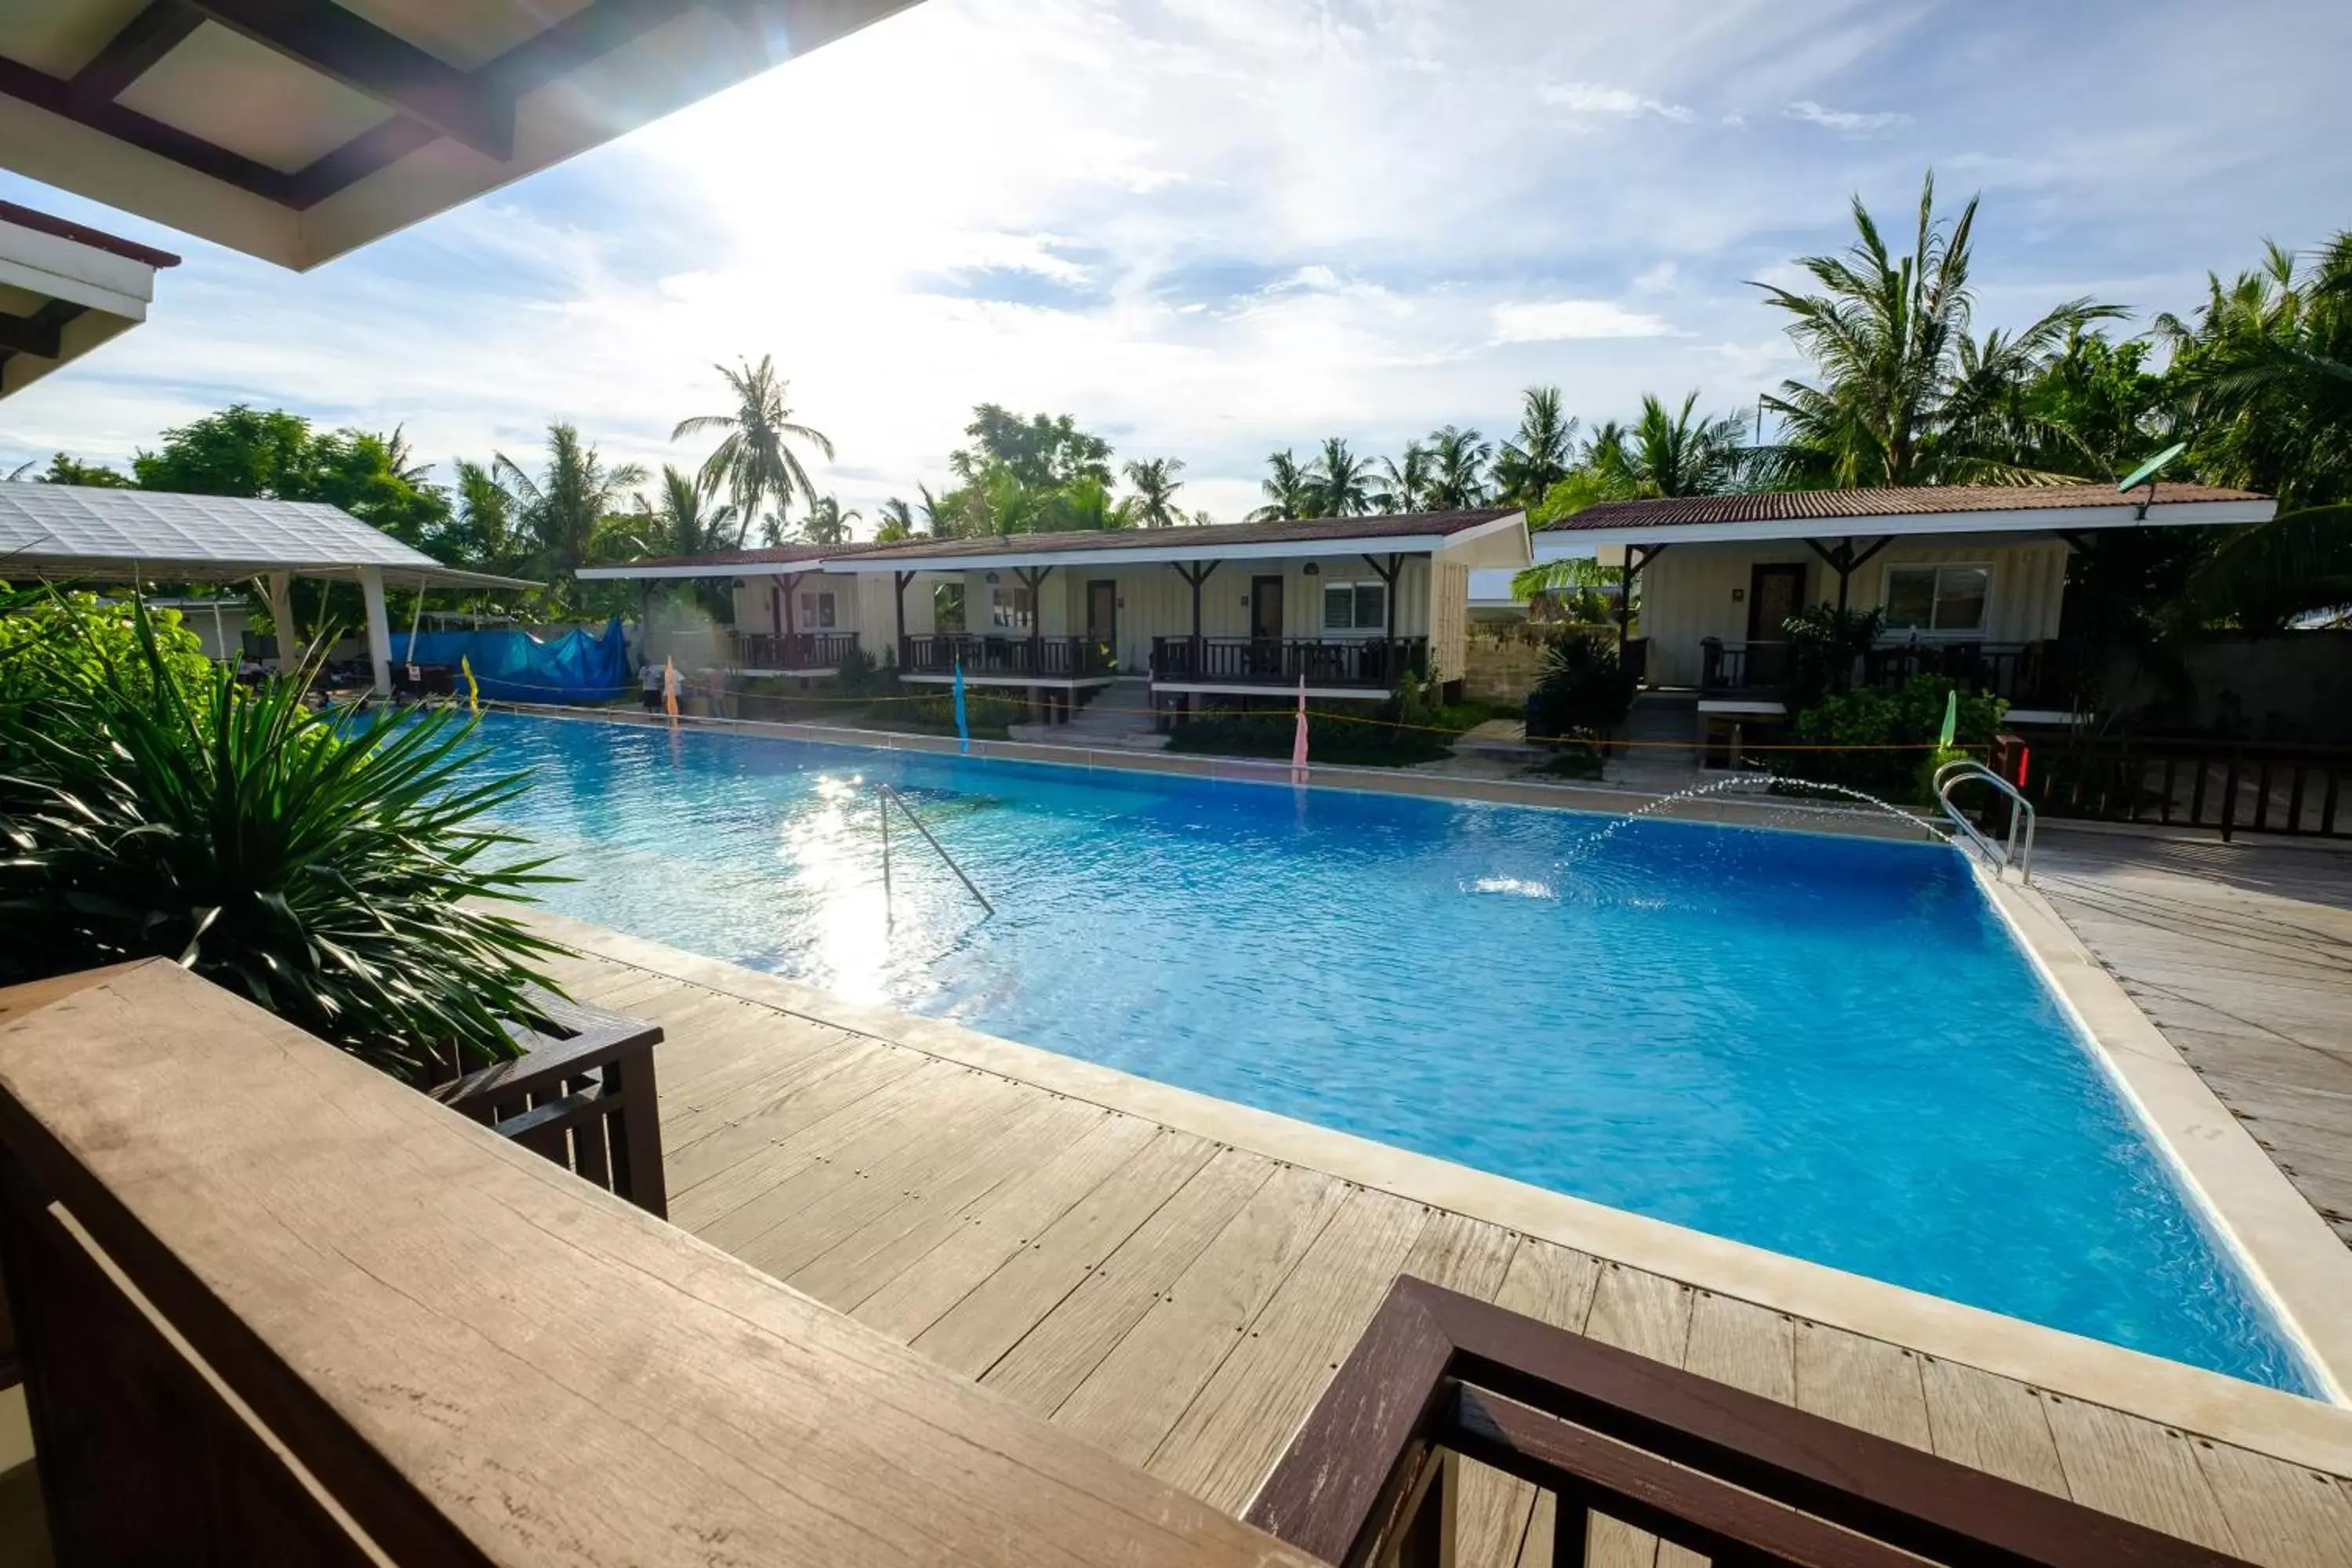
[1355, 587]
[818, 610]
[943, 595]
[1935, 569]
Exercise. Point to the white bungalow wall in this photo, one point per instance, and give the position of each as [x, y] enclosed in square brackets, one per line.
[1686, 594]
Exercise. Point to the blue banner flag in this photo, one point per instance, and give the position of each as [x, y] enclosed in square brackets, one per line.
[964, 730]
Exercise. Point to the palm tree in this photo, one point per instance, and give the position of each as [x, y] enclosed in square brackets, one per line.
[401, 460]
[1289, 492]
[568, 511]
[826, 523]
[1458, 463]
[1156, 485]
[755, 461]
[1671, 454]
[1528, 467]
[1402, 484]
[682, 520]
[897, 521]
[1904, 396]
[939, 514]
[1342, 481]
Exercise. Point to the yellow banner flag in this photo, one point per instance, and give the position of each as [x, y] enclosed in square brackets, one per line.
[473, 688]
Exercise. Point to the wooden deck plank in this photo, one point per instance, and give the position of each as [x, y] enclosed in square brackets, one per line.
[934, 1204]
[2146, 1473]
[1234, 1432]
[992, 1318]
[1743, 1345]
[1863, 1382]
[1651, 1316]
[1990, 1424]
[1070, 1341]
[978, 1239]
[775, 1108]
[1555, 1284]
[2279, 1515]
[1134, 1397]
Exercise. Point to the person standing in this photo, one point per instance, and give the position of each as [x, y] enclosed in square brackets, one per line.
[650, 685]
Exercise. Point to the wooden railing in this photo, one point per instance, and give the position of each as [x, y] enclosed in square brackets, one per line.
[274, 1307]
[1049, 658]
[789, 650]
[2230, 786]
[584, 1098]
[1376, 663]
[2025, 675]
[1727, 1475]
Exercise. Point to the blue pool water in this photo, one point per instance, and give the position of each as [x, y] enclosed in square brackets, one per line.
[1827, 1046]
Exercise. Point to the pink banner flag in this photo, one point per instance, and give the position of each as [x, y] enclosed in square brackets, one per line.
[1299, 738]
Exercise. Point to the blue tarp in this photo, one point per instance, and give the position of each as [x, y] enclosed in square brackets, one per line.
[513, 666]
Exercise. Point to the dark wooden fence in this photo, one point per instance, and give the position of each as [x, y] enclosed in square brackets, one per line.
[1050, 658]
[2230, 787]
[584, 1098]
[790, 650]
[1732, 1477]
[1376, 663]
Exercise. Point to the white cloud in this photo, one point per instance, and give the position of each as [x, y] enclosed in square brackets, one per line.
[1558, 320]
[1845, 121]
[1590, 98]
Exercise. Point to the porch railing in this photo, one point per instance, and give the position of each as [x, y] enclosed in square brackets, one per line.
[789, 650]
[2230, 786]
[1376, 663]
[1372, 1476]
[2025, 675]
[1050, 658]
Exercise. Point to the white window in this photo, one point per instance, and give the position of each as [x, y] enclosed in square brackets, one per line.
[1355, 607]
[1937, 598]
[817, 612]
[1011, 609]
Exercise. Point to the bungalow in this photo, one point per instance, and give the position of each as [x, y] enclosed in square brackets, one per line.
[1970, 581]
[795, 614]
[1236, 610]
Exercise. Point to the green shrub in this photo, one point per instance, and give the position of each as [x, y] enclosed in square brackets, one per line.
[1905, 720]
[326, 865]
[1338, 741]
[984, 713]
[54, 643]
[861, 677]
[1584, 690]
[1824, 644]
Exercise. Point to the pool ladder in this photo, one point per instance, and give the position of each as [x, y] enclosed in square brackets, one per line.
[2018, 851]
[887, 796]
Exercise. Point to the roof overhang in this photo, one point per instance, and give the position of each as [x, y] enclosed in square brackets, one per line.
[298, 131]
[1500, 541]
[25, 565]
[65, 289]
[629, 573]
[1566, 540]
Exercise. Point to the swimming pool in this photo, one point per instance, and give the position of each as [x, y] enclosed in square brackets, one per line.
[1828, 1046]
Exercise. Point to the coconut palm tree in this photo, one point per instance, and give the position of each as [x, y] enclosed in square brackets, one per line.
[826, 523]
[1403, 481]
[683, 518]
[400, 460]
[567, 512]
[897, 521]
[1457, 469]
[754, 461]
[1156, 485]
[1540, 457]
[1289, 492]
[1664, 454]
[1903, 396]
[1342, 481]
[939, 514]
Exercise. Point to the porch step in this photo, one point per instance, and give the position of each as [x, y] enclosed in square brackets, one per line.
[1118, 715]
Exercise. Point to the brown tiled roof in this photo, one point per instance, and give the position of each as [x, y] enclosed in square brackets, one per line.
[1303, 531]
[772, 555]
[1803, 506]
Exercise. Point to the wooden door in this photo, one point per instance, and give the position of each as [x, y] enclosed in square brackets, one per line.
[1102, 613]
[1774, 593]
[1265, 626]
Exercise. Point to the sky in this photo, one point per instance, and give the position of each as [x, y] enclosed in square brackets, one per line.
[1214, 228]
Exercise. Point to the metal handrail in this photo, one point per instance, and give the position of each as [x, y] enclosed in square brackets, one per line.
[2021, 816]
[888, 795]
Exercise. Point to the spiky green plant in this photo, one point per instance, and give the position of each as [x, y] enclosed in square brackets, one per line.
[328, 864]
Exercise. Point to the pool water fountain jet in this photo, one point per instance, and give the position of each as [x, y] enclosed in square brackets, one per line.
[1765, 781]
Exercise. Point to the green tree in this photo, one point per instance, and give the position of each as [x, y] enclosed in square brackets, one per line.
[683, 517]
[1678, 454]
[1540, 454]
[826, 523]
[570, 513]
[239, 451]
[1904, 396]
[1288, 490]
[482, 530]
[1043, 452]
[897, 522]
[2101, 392]
[1404, 482]
[1156, 485]
[1341, 481]
[65, 471]
[1458, 460]
[755, 462]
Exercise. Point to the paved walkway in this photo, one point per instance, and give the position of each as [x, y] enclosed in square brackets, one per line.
[2241, 954]
[1183, 1301]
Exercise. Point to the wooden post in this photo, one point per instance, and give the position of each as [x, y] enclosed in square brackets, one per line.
[1195, 573]
[898, 592]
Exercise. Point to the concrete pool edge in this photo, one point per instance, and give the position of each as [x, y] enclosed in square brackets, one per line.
[2299, 1264]
[2287, 1426]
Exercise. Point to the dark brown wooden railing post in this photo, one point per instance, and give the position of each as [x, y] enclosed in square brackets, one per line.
[2230, 795]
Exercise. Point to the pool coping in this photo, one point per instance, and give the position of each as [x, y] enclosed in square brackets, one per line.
[2302, 1431]
[2298, 1263]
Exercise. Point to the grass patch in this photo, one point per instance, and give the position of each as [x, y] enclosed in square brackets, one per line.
[1335, 741]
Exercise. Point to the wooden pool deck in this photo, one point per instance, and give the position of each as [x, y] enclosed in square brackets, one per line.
[1183, 1300]
[2241, 954]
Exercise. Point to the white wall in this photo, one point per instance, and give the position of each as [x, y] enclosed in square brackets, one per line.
[1687, 593]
